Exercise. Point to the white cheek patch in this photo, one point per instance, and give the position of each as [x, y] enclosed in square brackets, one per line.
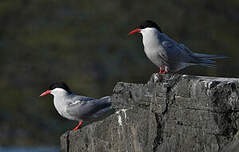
[148, 29]
[58, 91]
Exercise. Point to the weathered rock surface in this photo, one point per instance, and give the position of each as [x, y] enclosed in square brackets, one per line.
[171, 113]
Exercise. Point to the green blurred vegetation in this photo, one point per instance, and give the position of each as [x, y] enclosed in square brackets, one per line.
[85, 43]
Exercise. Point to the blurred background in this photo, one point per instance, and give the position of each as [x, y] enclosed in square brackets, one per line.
[85, 44]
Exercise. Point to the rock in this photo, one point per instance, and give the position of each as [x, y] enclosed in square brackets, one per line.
[170, 113]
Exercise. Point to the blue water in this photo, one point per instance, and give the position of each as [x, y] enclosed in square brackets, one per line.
[40, 149]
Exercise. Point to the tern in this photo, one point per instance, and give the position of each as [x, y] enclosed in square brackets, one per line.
[166, 53]
[78, 108]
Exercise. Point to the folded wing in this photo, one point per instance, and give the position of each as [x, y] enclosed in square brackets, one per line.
[89, 109]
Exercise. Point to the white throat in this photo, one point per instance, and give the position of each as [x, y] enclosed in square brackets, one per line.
[150, 38]
[59, 92]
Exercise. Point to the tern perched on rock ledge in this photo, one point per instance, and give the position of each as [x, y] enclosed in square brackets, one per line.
[166, 53]
[79, 108]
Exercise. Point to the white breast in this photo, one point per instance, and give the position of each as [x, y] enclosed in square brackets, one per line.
[60, 104]
[152, 47]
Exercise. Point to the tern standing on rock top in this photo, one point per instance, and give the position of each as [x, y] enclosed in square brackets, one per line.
[79, 108]
[166, 53]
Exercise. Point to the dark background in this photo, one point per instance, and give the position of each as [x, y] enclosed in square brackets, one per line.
[85, 43]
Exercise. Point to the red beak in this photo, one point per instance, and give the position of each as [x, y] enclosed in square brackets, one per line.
[134, 31]
[45, 93]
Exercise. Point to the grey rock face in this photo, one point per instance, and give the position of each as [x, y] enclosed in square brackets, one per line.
[171, 113]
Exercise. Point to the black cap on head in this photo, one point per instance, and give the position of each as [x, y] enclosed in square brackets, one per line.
[149, 23]
[60, 85]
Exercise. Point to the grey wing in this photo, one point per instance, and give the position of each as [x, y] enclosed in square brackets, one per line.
[177, 52]
[199, 58]
[86, 109]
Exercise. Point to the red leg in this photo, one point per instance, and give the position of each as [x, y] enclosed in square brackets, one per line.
[77, 127]
[160, 72]
[163, 72]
